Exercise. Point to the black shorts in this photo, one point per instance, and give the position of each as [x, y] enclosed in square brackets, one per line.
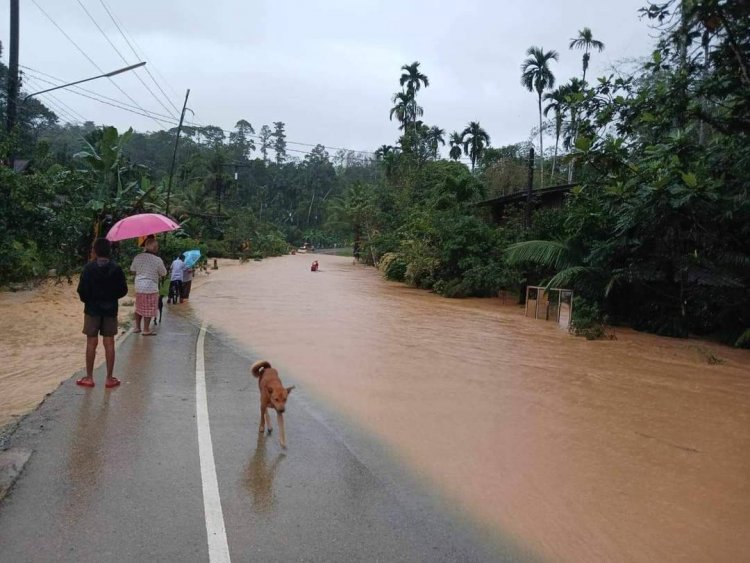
[95, 325]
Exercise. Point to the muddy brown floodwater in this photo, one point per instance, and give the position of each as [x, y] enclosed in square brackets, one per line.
[633, 449]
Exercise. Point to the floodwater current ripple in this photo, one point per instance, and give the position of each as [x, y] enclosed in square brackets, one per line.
[630, 449]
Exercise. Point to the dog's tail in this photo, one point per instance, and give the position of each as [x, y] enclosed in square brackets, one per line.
[258, 367]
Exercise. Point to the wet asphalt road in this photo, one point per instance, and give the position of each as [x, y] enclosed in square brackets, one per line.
[115, 475]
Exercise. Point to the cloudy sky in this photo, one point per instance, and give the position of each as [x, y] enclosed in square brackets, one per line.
[326, 68]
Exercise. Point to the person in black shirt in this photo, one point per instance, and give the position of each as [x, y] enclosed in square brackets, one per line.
[102, 283]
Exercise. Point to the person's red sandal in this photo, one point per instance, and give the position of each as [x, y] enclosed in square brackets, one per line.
[85, 382]
[112, 382]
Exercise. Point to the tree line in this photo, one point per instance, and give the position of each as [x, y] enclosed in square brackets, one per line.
[654, 232]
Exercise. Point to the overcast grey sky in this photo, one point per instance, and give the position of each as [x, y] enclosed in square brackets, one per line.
[328, 68]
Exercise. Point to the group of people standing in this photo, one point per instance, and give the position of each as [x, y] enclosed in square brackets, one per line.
[103, 283]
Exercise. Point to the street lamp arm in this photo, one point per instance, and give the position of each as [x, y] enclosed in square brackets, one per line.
[107, 75]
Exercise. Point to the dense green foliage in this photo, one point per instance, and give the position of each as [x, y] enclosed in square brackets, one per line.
[655, 233]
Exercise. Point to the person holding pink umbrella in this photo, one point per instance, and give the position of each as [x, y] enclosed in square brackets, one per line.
[148, 268]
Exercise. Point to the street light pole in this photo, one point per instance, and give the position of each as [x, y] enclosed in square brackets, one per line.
[13, 79]
[106, 75]
[12, 68]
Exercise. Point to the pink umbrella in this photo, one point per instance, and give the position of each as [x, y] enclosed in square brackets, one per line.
[140, 226]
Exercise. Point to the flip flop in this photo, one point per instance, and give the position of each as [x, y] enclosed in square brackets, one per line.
[114, 382]
[136, 331]
[85, 382]
[150, 333]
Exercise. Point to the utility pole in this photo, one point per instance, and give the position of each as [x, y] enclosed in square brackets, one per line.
[12, 75]
[527, 216]
[529, 189]
[174, 154]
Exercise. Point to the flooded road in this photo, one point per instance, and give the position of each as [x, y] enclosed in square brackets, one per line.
[631, 449]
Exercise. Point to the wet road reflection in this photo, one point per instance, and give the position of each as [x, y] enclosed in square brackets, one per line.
[632, 449]
[84, 464]
[259, 475]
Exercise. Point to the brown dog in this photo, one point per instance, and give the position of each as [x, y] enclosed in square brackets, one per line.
[272, 395]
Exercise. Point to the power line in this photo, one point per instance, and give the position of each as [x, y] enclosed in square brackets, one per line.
[59, 111]
[77, 116]
[98, 97]
[160, 121]
[113, 102]
[85, 55]
[298, 143]
[73, 112]
[62, 113]
[138, 76]
[137, 56]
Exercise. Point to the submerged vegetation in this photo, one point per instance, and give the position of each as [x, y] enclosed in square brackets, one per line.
[654, 230]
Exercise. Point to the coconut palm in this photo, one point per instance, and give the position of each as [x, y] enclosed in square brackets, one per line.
[537, 76]
[435, 137]
[456, 142]
[475, 140]
[557, 104]
[565, 258]
[586, 41]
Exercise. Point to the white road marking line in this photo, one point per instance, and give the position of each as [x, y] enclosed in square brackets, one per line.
[218, 549]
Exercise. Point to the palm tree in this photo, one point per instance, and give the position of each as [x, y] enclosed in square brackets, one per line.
[383, 151]
[354, 212]
[586, 41]
[405, 109]
[557, 104]
[563, 257]
[456, 141]
[537, 76]
[435, 137]
[413, 80]
[475, 140]
[192, 202]
[572, 94]
[570, 262]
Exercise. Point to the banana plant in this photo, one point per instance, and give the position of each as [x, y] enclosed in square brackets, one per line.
[117, 188]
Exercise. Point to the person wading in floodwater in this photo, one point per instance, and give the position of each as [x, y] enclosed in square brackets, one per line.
[102, 283]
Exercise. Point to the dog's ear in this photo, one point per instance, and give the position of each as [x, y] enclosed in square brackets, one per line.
[289, 389]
